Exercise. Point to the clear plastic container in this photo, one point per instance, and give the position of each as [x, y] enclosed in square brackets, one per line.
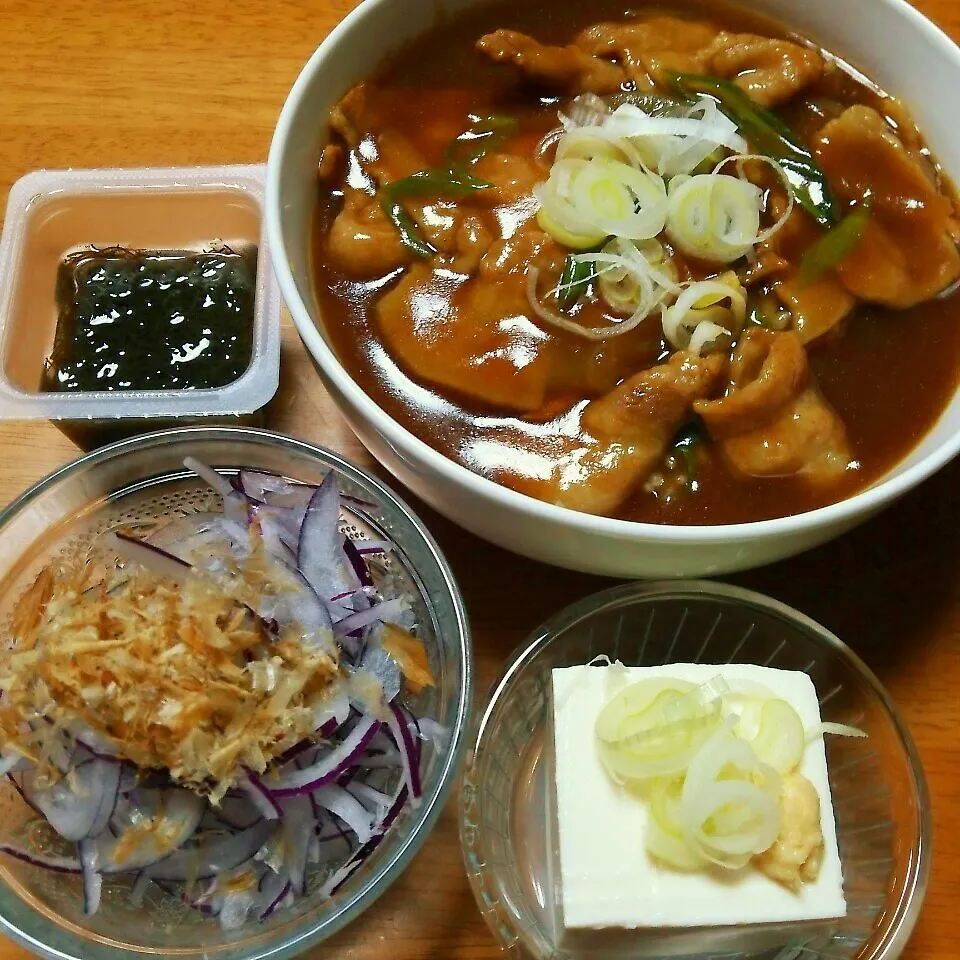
[51, 214]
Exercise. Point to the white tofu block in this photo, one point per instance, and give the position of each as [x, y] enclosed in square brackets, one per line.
[608, 878]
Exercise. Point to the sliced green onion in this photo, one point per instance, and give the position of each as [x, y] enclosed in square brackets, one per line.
[738, 742]
[726, 816]
[585, 201]
[426, 183]
[634, 271]
[655, 728]
[836, 730]
[456, 181]
[772, 137]
[589, 143]
[485, 135]
[765, 310]
[701, 302]
[780, 741]
[676, 144]
[835, 244]
[574, 281]
[671, 850]
[713, 217]
[686, 444]
[664, 831]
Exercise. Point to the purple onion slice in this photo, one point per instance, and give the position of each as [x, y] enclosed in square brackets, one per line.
[332, 765]
[92, 877]
[260, 797]
[343, 805]
[42, 860]
[174, 815]
[213, 855]
[299, 823]
[378, 613]
[409, 753]
[80, 804]
[148, 556]
[318, 553]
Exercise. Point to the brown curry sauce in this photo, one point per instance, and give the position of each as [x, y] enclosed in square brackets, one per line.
[888, 374]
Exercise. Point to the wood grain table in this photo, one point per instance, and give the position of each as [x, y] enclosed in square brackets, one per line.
[120, 83]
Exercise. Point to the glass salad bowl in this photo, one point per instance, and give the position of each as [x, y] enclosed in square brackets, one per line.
[881, 805]
[141, 482]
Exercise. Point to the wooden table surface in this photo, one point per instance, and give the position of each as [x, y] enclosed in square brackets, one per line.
[110, 84]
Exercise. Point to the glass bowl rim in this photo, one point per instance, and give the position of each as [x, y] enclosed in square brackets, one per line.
[897, 930]
[425, 816]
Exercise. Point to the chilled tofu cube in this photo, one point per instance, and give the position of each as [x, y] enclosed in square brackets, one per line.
[608, 878]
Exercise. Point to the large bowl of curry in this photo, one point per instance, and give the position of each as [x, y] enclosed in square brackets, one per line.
[656, 293]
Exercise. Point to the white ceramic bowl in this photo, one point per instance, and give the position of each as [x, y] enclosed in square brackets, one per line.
[887, 39]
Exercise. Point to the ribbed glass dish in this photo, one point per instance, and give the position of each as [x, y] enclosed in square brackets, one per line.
[878, 787]
[143, 480]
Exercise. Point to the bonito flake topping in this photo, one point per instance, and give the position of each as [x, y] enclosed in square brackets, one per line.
[174, 676]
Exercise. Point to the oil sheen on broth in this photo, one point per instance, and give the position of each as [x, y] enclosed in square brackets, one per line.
[887, 374]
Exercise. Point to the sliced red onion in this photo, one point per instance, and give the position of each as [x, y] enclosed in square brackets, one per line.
[256, 484]
[277, 540]
[140, 887]
[94, 743]
[92, 878]
[318, 553]
[296, 497]
[385, 760]
[238, 813]
[298, 828]
[372, 547]
[260, 797]
[300, 606]
[376, 661]
[433, 732]
[285, 522]
[271, 487]
[213, 856]
[332, 712]
[234, 907]
[199, 903]
[331, 765]
[108, 775]
[356, 563]
[313, 848]
[210, 476]
[413, 726]
[408, 751]
[45, 862]
[377, 799]
[340, 877]
[378, 613]
[80, 804]
[149, 557]
[333, 839]
[344, 805]
[236, 506]
[181, 811]
[275, 889]
[11, 761]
